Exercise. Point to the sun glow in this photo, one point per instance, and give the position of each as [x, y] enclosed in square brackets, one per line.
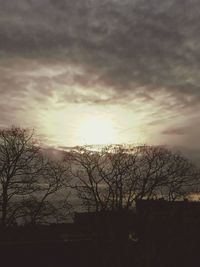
[97, 130]
[72, 125]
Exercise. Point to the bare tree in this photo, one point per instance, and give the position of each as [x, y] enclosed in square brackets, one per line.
[164, 173]
[102, 179]
[18, 161]
[40, 207]
[113, 178]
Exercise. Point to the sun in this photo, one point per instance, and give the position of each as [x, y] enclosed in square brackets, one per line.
[97, 131]
[71, 126]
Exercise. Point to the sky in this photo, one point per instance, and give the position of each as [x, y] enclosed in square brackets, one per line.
[95, 71]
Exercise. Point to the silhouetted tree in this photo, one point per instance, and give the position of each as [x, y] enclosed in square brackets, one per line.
[166, 174]
[18, 161]
[39, 207]
[29, 179]
[114, 177]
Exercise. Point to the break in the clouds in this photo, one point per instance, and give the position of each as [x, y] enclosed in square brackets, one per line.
[134, 62]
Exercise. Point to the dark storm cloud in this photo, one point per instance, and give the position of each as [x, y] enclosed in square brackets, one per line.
[125, 43]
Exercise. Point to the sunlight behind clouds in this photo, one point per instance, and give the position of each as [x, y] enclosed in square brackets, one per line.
[87, 124]
[97, 130]
[70, 126]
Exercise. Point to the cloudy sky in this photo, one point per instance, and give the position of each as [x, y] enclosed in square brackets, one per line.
[123, 71]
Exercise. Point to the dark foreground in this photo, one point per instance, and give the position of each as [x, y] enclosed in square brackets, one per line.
[163, 234]
[73, 254]
[99, 254]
